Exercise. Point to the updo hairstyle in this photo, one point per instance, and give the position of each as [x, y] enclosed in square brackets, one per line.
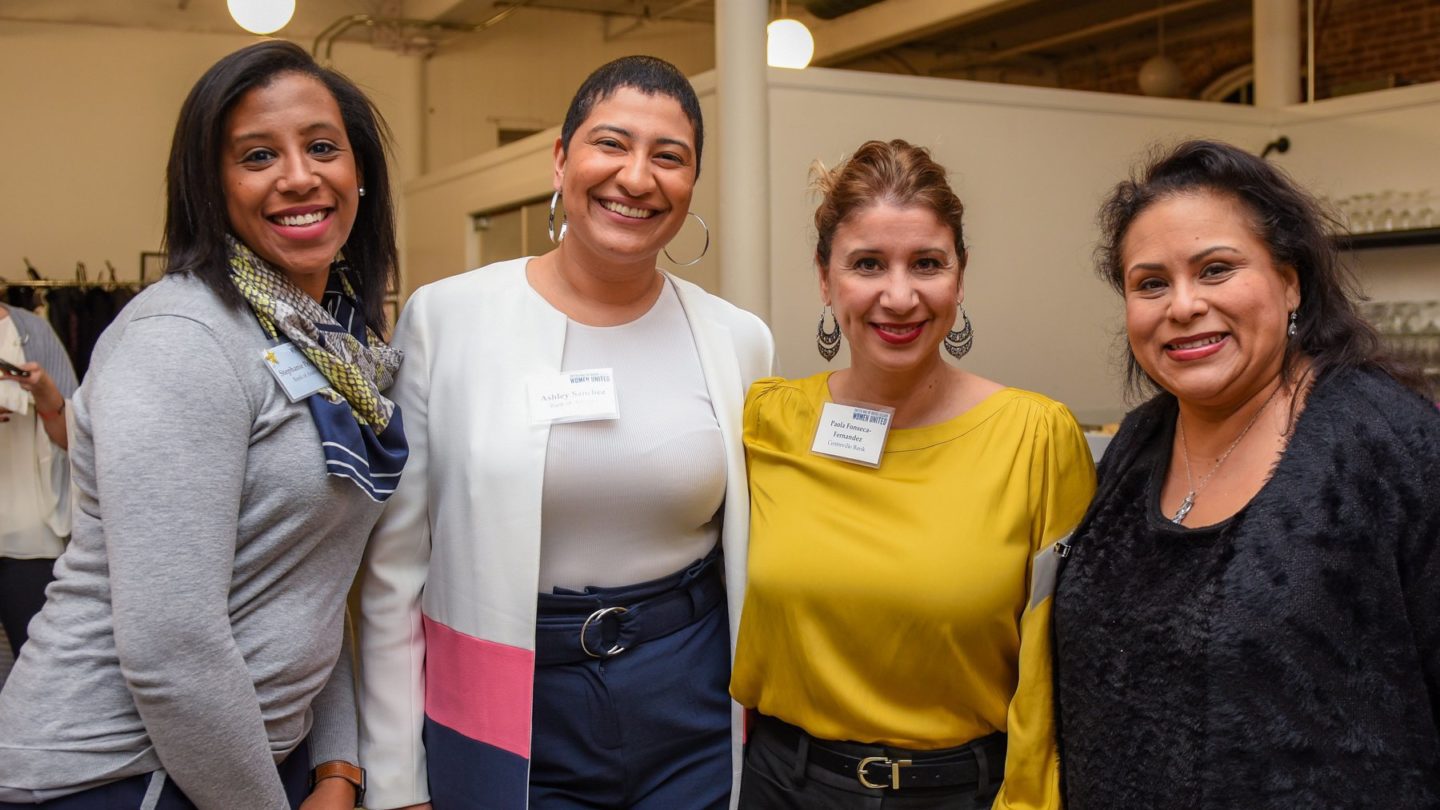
[896, 172]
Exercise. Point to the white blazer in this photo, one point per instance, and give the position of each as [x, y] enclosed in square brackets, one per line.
[452, 569]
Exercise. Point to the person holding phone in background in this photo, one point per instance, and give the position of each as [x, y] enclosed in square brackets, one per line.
[36, 382]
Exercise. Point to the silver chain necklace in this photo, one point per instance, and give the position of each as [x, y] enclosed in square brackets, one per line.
[1189, 502]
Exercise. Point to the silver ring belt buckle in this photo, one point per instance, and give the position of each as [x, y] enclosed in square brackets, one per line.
[895, 766]
[594, 617]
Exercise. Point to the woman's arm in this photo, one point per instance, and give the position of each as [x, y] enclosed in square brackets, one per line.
[49, 403]
[171, 425]
[334, 733]
[1062, 478]
[391, 638]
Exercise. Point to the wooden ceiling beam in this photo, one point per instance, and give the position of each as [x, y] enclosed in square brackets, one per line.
[892, 22]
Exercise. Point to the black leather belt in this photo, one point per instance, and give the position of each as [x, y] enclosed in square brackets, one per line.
[978, 764]
[611, 629]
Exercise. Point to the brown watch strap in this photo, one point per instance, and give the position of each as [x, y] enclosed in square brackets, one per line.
[354, 774]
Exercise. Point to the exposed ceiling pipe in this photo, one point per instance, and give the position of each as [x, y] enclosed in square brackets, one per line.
[1077, 35]
[647, 17]
[336, 29]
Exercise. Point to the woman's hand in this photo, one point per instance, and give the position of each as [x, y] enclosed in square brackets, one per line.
[49, 403]
[330, 794]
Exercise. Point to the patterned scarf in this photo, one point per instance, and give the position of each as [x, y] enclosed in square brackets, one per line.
[361, 432]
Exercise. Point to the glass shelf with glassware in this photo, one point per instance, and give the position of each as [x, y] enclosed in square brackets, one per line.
[1387, 219]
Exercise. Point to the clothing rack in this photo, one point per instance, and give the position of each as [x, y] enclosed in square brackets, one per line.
[47, 283]
[82, 279]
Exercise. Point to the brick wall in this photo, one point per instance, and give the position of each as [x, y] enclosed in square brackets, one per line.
[1358, 43]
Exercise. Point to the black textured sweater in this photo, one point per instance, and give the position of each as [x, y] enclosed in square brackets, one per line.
[1286, 658]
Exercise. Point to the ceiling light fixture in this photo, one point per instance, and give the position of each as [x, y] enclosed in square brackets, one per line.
[1160, 76]
[261, 16]
[788, 43]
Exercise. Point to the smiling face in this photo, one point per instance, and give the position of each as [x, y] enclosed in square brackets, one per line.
[627, 178]
[894, 280]
[290, 178]
[1206, 307]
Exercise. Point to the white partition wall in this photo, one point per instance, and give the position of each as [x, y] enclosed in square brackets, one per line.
[1031, 165]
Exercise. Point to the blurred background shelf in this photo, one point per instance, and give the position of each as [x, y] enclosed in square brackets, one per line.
[1384, 239]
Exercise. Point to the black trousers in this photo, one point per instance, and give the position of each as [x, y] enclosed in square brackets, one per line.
[778, 777]
[22, 594]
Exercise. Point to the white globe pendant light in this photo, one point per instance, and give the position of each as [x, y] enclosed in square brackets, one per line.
[788, 44]
[261, 16]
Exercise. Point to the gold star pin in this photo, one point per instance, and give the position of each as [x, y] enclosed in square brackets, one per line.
[271, 358]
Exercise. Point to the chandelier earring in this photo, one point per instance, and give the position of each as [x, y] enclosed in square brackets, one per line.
[550, 228]
[703, 250]
[958, 343]
[827, 342]
[1291, 329]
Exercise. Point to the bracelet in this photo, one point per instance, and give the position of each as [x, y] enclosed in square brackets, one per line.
[51, 414]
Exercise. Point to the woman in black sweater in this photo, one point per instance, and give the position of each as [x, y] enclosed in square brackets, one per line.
[1249, 615]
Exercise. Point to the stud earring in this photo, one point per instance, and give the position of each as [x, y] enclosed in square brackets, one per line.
[958, 343]
[1291, 329]
[362, 191]
[828, 343]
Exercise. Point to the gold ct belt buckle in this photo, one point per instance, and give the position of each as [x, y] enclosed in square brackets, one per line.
[596, 616]
[895, 766]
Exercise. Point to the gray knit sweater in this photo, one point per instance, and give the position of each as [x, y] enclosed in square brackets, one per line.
[199, 610]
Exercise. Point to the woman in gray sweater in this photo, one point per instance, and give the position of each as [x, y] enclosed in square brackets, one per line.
[231, 450]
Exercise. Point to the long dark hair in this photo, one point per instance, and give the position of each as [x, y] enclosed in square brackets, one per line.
[648, 74]
[1296, 229]
[195, 216]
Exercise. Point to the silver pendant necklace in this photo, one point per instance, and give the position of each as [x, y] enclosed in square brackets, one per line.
[1189, 502]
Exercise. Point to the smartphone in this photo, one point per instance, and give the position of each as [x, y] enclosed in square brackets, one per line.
[10, 368]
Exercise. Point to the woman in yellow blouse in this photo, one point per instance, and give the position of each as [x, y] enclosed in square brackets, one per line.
[895, 633]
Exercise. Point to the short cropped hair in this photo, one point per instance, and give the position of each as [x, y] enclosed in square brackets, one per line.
[648, 74]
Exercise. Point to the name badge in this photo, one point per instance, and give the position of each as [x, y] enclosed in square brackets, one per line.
[573, 396]
[852, 433]
[297, 376]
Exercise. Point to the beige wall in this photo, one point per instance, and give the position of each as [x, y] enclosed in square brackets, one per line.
[439, 205]
[522, 73]
[1031, 164]
[1371, 143]
[88, 114]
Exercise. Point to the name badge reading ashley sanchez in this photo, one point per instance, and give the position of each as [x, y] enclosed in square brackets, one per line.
[573, 396]
[852, 433]
[297, 376]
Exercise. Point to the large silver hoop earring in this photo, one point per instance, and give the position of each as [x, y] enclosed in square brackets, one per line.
[958, 343]
[703, 250]
[828, 343]
[550, 228]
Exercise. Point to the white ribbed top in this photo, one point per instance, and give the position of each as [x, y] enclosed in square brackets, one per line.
[635, 498]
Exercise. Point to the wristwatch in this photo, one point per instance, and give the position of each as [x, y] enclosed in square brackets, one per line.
[354, 774]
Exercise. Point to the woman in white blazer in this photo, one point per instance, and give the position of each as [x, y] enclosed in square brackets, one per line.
[551, 598]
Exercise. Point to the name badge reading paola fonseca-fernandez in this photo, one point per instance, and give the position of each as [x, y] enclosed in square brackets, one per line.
[853, 433]
[297, 376]
[573, 396]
